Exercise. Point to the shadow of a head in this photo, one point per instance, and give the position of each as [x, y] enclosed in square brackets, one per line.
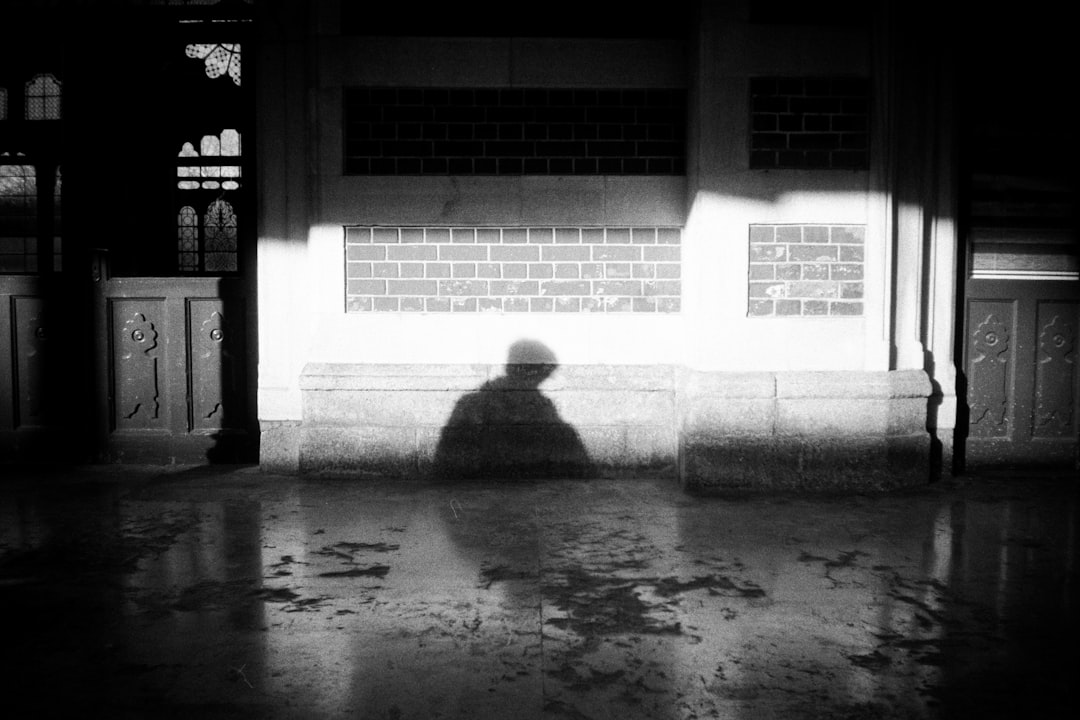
[507, 429]
[530, 362]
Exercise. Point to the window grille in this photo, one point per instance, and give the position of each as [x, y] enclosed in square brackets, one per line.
[18, 219]
[43, 98]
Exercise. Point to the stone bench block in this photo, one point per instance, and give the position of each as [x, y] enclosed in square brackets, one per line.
[729, 416]
[712, 430]
[710, 465]
[358, 452]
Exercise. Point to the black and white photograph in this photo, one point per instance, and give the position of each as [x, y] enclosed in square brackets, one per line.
[568, 360]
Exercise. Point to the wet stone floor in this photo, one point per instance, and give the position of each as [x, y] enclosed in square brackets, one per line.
[210, 593]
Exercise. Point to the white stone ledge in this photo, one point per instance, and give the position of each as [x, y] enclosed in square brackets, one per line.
[833, 384]
[406, 377]
[853, 384]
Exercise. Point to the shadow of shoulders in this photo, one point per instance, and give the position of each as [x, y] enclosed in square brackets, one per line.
[507, 429]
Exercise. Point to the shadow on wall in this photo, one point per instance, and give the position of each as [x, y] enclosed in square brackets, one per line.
[508, 430]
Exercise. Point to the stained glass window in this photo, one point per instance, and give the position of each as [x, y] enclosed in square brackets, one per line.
[207, 236]
[43, 98]
[18, 218]
[187, 239]
[219, 58]
[197, 172]
[219, 233]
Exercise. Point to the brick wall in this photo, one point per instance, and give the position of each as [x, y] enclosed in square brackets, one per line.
[806, 270]
[514, 131]
[814, 123]
[513, 269]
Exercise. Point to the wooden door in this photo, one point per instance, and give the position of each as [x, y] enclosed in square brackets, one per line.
[173, 369]
[25, 418]
[140, 108]
[173, 287]
[1022, 312]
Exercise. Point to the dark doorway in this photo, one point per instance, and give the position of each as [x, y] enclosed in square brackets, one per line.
[144, 273]
[1020, 311]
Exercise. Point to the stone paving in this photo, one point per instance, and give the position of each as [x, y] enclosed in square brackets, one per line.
[208, 592]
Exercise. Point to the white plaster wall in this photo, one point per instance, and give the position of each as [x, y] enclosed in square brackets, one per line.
[301, 265]
[585, 338]
[725, 198]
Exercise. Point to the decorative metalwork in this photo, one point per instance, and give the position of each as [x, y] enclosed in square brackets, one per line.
[220, 58]
[1055, 377]
[989, 395]
[43, 97]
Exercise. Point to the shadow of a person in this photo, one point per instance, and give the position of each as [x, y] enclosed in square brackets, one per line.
[508, 430]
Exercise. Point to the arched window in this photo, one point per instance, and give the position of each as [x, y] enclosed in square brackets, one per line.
[187, 239]
[43, 98]
[219, 234]
[202, 169]
[212, 247]
[208, 173]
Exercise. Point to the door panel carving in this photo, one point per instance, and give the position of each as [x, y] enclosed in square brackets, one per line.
[989, 363]
[1023, 385]
[1055, 375]
[137, 362]
[175, 371]
[217, 358]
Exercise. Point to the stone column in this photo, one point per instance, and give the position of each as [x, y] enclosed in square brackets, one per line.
[282, 149]
[914, 78]
[943, 299]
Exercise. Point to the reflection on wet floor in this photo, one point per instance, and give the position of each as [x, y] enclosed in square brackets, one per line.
[214, 595]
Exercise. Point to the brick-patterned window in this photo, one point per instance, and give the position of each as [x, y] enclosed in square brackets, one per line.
[513, 269]
[811, 122]
[514, 131]
[806, 270]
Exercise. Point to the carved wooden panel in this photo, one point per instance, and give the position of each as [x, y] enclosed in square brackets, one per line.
[991, 353]
[138, 354]
[1055, 373]
[217, 356]
[29, 346]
